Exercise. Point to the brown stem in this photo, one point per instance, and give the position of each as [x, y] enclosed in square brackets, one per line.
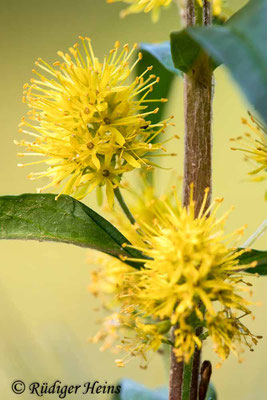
[195, 371]
[177, 368]
[176, 375]
[190, 13]
[207, 12]
[198, 117]
[198, 94]
[206, 371]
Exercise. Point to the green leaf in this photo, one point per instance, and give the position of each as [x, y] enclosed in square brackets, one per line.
[41, 217]
[255, 255]
[211, 395]
[158, 55]
[131, 390]
[240, 44]
[162, 53]
[185, 50]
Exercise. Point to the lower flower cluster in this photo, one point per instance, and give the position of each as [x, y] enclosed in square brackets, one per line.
[190, 286]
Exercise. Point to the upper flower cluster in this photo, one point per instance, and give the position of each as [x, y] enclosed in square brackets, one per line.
[154, 6]
[191, 279]
[137, 6]
[88, 122]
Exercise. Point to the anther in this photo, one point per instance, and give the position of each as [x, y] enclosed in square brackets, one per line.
[107, 120]
[105, 173]
[90, 146]
[145, 126]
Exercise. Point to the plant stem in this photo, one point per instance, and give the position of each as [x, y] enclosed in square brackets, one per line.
[187, 373]
[206, 370]
[123, 205]
[176, 375]
[195, 372]
[198, 94]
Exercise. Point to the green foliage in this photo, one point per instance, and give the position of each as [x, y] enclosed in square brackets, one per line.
[185, 50]
[131, 390]
[161, 52]
[158, 55]
[255, 255]
[240, 44]
[211, 395]
[41, 217]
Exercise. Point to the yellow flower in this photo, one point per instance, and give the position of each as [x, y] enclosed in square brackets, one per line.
[137, 6]
[107, 279]
[216, 6]
[254, 145]
[88, 123]
[191, 278]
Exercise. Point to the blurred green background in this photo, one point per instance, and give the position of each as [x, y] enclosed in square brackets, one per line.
[47, 313]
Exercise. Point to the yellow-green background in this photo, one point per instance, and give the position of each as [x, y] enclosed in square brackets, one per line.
[46, 312]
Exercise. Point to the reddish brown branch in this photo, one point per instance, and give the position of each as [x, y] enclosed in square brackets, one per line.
[198, 94]
[206, 371]
[176, 378]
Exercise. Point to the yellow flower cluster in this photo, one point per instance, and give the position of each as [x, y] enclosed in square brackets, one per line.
[254, 145]
[109, 285]
[191, 278]
[88, 123]
[137, 6]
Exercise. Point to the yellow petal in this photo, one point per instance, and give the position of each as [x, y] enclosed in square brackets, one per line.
[110, 194]
[131, 160]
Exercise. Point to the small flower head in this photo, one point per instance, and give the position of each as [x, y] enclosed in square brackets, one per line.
[191, 278]
[87, 123]
[254, 145]
[137, 6]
